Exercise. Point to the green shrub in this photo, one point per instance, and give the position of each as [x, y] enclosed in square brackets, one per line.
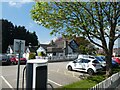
[41, 54]
[32, 56]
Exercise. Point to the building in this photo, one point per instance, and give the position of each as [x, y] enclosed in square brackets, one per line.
[60, 47]
[27, 51]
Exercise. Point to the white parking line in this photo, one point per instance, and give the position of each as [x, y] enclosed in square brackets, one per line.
[7, 82]
[54, 82]
[58, 70]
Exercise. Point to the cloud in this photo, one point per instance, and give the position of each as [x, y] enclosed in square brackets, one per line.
[17, 0]
[17, 3]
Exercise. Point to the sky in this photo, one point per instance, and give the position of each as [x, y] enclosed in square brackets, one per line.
[19, 14]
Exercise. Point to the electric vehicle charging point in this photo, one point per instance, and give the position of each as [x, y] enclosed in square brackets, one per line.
[36, 74]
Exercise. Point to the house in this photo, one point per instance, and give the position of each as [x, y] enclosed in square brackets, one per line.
[60, 47]
[43, 47]
[28, 50]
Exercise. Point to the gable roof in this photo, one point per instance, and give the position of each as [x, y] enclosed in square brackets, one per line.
[73, 45]
[31, 48]
[59, 45]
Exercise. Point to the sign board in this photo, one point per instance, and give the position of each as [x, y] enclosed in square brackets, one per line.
[19, 44]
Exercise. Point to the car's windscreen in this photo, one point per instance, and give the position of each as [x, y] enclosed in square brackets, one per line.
[100, 59]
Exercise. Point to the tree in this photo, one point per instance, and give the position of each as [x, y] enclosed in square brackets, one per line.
[7, 28]
[93, 20]
[85, 47]
[11, 32]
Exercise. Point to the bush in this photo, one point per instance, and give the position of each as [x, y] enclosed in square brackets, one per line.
[41, 54]
[32, 56]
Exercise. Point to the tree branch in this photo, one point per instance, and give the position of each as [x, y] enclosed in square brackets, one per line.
[88, 12]
[94, 41]
[117, 37]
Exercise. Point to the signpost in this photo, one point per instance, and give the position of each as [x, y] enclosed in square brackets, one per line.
[19, 47]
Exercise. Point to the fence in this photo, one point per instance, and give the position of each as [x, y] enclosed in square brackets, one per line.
[109, 84]
[59, 58]
[62, 58]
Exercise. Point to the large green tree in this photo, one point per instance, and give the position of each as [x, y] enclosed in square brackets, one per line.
[11, 32]
[96, 21]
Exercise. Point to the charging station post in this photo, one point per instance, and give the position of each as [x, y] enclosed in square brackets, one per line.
[36, 74]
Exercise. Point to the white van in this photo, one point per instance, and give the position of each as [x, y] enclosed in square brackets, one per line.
[85, 56]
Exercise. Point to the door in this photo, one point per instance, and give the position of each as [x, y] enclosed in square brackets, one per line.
[78, 64]
[85, 64]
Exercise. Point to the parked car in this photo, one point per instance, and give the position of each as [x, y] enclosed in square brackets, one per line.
[85, 56]
[5, 59]
[101, 60]
[14, 60]
[88, 65]
[114, 64]
[116, 59]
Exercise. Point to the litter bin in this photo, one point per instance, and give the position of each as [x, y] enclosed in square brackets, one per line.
[36, 74]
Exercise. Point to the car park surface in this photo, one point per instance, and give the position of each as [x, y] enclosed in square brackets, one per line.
[58, 75]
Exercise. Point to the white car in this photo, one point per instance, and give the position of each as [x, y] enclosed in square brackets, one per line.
[99, 58]
[88, 65]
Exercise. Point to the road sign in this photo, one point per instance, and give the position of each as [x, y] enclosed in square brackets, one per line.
[18, 43]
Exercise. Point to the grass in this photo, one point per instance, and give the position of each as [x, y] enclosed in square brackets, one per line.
[85, 83]
[89, 82]
[115, 70]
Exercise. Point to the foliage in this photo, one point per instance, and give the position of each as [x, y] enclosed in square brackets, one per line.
[85, 46]
[94, 20]
[11, 32]
[89, 82]
[32, 56]
[41, 54]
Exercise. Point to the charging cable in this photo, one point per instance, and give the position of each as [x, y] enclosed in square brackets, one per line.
[23, 78]
[48, 84]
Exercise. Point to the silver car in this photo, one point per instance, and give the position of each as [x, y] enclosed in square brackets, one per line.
[5, 59]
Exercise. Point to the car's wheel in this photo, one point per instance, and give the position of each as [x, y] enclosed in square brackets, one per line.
[90, 71]
[15, 63]
[69, 68]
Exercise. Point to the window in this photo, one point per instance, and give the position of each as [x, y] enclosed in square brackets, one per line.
[86, 60]
[54, 54]
[95, 61]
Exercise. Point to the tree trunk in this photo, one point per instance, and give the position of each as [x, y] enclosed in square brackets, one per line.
[108, 59]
